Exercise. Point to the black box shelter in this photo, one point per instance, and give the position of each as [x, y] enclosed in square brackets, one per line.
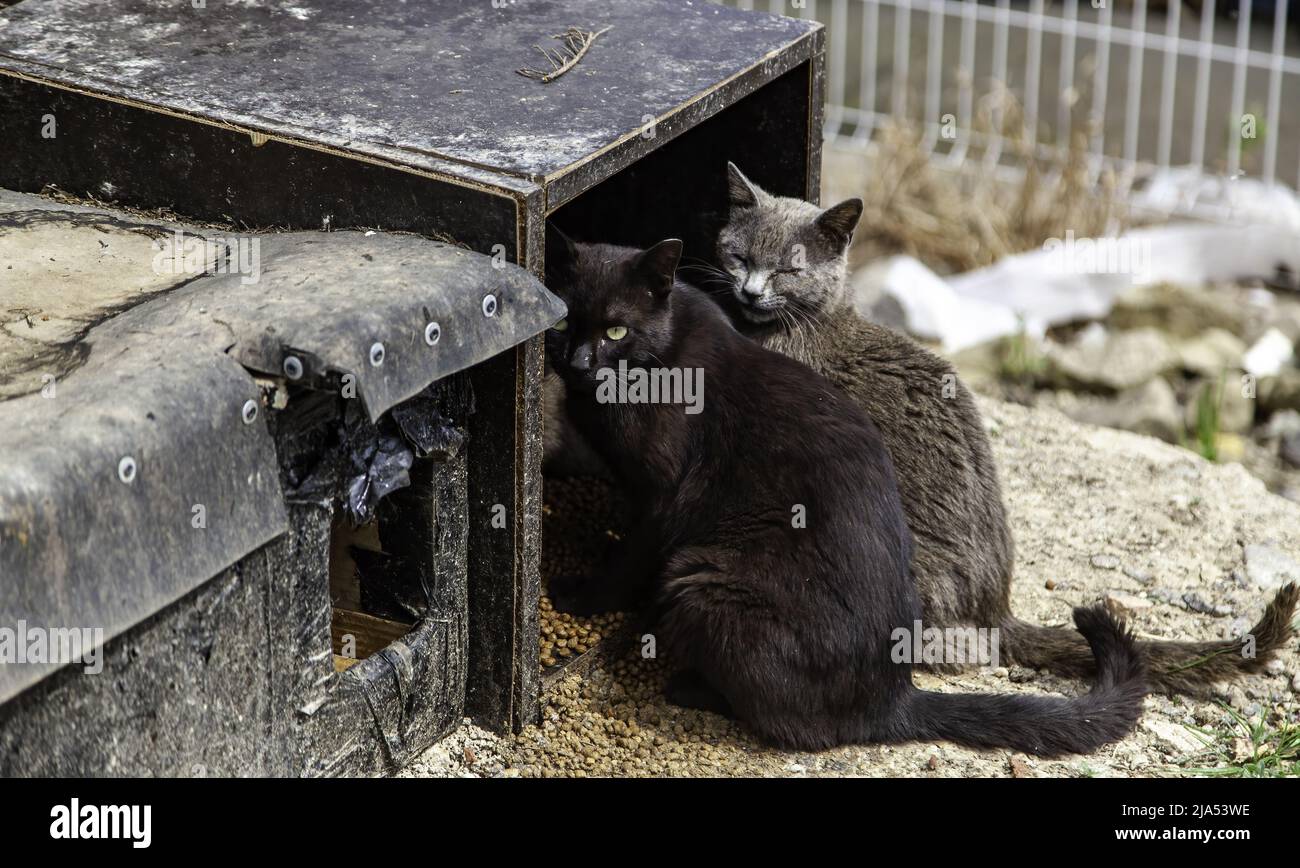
[411, 116]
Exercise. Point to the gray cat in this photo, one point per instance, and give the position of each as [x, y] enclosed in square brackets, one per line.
[785, 265]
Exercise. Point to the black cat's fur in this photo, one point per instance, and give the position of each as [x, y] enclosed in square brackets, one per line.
[787, 627]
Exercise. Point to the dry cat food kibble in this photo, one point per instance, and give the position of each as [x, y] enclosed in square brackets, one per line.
[580, 518]
[564, 635]
[616, 723]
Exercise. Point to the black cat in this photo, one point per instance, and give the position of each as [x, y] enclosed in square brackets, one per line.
[771, 544]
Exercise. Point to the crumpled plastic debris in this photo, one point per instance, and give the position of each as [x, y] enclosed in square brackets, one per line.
[364, 462]
[426, 429]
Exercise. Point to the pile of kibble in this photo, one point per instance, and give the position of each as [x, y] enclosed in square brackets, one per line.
[580, 518]
[615, 722]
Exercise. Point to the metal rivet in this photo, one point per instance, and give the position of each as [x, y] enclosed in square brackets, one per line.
[489, 305]
[126, 470]
[432, 332]
[376, 354]
[250, 411]
[293, 367]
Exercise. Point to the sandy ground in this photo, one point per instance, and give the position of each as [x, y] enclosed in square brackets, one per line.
[1094, 512]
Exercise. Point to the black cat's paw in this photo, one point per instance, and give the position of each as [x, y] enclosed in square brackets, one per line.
[576, 595]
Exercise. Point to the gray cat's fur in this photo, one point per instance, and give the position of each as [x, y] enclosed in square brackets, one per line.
[786, 262]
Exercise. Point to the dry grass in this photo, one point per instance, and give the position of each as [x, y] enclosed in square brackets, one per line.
[958, 219]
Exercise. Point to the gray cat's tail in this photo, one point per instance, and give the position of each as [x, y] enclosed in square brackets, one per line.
[1182, 667]
[1042, 725]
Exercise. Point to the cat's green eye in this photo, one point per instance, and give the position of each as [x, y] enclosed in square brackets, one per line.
[561, 325]
[616, 333]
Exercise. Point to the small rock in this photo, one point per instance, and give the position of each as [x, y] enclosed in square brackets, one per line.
[1050, 584]
[1237, 697]
[470, 757]
[1195, 603]
[1126, 604]
[1178, 309]
[1268, 567]
[1151, 408]
[1165, 595]
[1105, 562]
[1172, 737]
[1211, 353]
[1122, 361]
[932, 763]
[1282, 424]
[1139, 576]
[1268, 354]
[1020, 768]
[1000, 672]
[1289, 449]
[1281, 392]
[1205, 715]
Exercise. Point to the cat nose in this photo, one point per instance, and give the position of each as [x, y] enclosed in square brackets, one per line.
[581, 358]
[754, 287]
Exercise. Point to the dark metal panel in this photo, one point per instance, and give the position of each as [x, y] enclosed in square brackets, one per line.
[237, 678]
[139, 717]
[164, 385]
[314, 69]
[145, 159]
[80, 547]
[494, 545]
[360, 305]
[816, 116]
[506, 474]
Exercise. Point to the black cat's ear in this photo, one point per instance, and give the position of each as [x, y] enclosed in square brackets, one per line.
[839, 221]
[743, 194]
[658, 265]
[560, 252]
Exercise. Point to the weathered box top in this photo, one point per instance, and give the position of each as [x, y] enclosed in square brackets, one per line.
[428, 85]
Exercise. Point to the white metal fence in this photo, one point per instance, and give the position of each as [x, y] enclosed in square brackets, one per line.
[1150, 83]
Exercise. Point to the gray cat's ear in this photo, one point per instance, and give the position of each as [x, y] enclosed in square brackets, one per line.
[658, 265]
[742, 193]
[840, 220]
[560, 251]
